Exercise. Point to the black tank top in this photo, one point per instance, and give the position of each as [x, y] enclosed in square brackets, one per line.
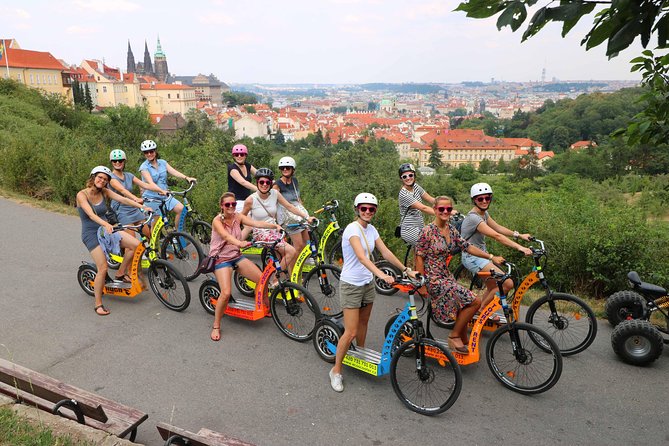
[233, 186]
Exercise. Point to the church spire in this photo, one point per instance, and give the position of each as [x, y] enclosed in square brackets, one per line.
[159, 50]
[148, 66]
[131, 67]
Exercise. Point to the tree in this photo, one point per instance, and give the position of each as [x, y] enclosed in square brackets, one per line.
[250, 109]
[486, 166]
[127, 126]
[279, 139]
[435, 156]
[76, 93]
[465, 173]
[619, 25]
[88, 100]
[235, 98]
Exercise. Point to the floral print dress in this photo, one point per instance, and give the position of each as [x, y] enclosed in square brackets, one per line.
[448, 296]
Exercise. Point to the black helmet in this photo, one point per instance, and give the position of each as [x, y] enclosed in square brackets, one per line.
[406, 167]
[264, 172]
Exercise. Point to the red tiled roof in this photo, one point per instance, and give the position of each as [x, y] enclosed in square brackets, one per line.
[465, 138]
[30, 59]
[522, 142]
[583, 144]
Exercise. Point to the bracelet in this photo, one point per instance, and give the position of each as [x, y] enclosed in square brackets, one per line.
[515, 234]
[491, 256]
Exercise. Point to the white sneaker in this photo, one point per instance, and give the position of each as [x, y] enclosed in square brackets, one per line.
[336, 381]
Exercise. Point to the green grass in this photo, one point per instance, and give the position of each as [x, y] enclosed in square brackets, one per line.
[15, 430]
[34, 202]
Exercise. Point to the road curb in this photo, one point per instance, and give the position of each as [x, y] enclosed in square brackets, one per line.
[62, 426]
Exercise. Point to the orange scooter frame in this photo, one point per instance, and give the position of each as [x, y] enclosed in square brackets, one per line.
[165, 281]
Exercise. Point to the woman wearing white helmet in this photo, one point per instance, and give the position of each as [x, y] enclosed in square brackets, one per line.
[240, 176]
[477, 225]
[356, 286]
[289, 187]
[122, 183]
[154, 172]
[92, 207]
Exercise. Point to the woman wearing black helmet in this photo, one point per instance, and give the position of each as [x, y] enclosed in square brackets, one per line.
[411, 197]
[262, 205]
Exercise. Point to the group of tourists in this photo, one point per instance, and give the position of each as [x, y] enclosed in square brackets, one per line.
[256, 201]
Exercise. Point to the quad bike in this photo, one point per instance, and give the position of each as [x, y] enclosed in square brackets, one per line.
[635, 339]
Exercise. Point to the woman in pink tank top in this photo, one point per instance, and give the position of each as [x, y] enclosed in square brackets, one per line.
[226, 243]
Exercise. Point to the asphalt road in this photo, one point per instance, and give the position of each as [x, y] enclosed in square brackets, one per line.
[257, 385]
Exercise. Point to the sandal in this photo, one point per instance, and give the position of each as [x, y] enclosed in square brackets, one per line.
[124, 278]
[105, 312]
[457, 348]
[215, 338]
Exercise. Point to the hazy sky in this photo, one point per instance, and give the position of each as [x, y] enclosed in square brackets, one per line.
[307, 41]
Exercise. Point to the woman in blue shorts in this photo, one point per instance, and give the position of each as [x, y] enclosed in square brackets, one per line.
[154, 172]
[92, 207]
[226, 243]
[122, 183]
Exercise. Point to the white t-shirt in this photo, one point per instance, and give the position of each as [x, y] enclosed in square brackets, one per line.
[353, 271]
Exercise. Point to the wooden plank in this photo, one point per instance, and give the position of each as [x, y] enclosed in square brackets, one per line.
[44, 392]
[167, 430]
[222, 439]
[47, 388]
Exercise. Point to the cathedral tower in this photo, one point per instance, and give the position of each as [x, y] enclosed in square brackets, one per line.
[131, 68]
[148, 66]
[161, 63]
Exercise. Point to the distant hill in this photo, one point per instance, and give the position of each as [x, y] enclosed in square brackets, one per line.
[403, 88]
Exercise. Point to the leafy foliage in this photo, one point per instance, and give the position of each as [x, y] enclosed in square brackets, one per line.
[597, 227]
[619, 24]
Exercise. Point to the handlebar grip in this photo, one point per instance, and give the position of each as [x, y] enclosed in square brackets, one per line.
[484, 274]
[319, 211]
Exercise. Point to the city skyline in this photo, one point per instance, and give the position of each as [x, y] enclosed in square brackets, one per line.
[337, 42]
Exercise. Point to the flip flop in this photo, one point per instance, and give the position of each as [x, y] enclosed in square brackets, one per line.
[451, 345]
[124, 278]
[212, 334]
[105, 311]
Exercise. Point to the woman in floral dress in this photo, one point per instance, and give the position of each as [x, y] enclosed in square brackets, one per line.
[450, 300]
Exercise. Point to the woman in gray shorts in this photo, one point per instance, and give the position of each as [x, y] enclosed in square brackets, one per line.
[357, 279]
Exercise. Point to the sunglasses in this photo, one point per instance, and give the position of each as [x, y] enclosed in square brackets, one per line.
[370, 209]
[230, 204]
[118, 161]
[264, 182]
[483, 198]
[239, 155]
[147, 152]
[443, 209]
[407, 176]
[286, 168]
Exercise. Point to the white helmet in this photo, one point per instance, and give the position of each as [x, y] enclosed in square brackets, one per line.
[117, 155]
[147, 145]
[101, 169]
[366, 199]
[287, 161]
[480, 189]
